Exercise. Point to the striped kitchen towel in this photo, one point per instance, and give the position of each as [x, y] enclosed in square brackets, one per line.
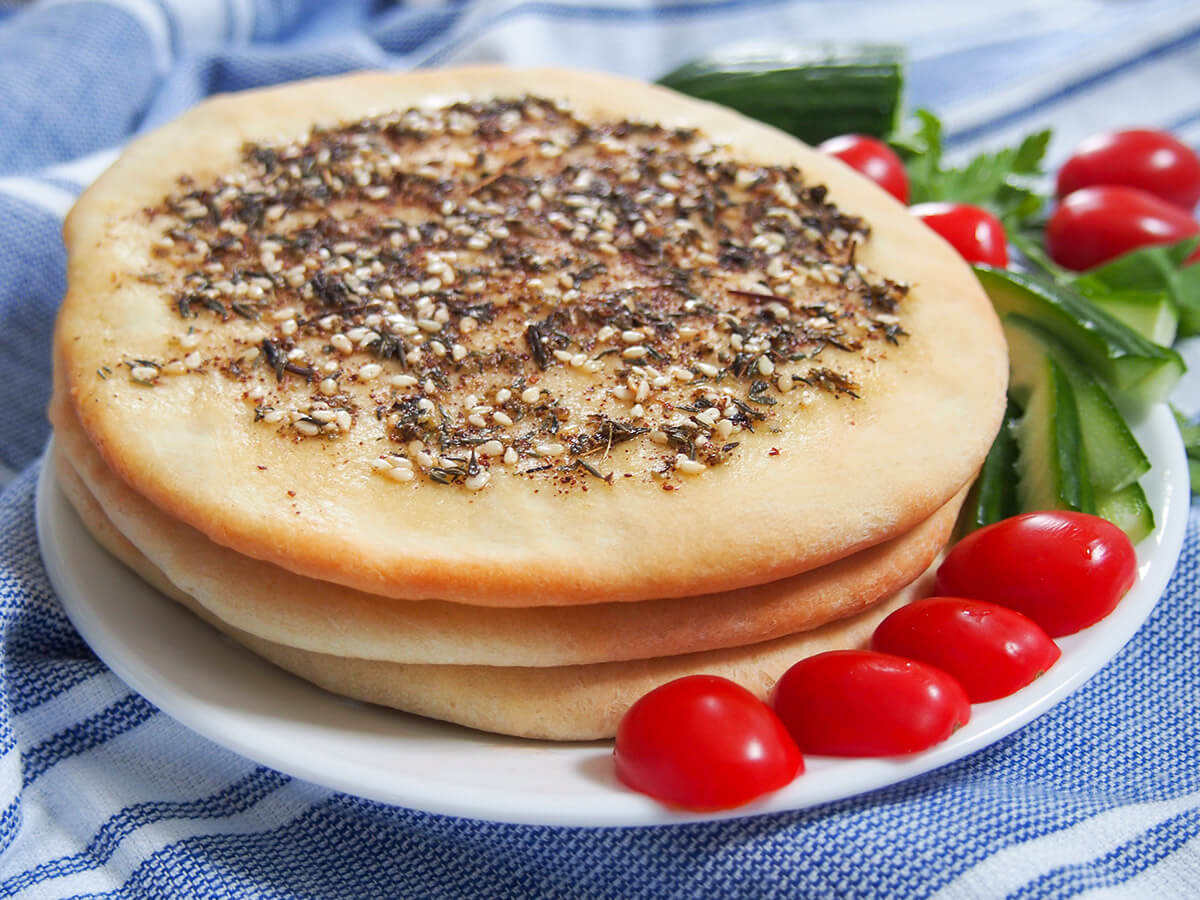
[101, 794]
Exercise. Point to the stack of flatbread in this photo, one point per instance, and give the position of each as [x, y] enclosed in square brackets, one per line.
[504, 396]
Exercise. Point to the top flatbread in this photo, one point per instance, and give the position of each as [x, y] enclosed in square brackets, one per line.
[255, 399]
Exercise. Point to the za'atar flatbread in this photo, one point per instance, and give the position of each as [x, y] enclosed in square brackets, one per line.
[520, 338]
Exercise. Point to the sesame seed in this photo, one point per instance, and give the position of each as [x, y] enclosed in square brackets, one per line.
[478, 481]
[274, 416]
[379, 464]
[708, 416]
[511, 456]
[459, 352]
[308, 429]
[669, 181]
[282, 315]
[343, 420]
[637, 411]
[145, 374]
[502, 418]
[765, 366]
[288, 328]
[193, 360]
[400, 474]
[491, 448]
[425, 404]
[503, 395]
[477, 420]
[370, 371]
[562, 355]
[402, 381]
[708, 369]
[530, 395]
[578, 360]
[322, 415]
[438, 348]
[784, 382]
[723, 428]
[328, 386]
[635, 352]
[190, 341]
[688, 466]
[341, 343]
[549, 449]
[467, 324]
[429, 325]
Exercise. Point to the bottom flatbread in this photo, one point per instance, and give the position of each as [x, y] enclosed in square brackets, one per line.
[563, 703]
[285, 608]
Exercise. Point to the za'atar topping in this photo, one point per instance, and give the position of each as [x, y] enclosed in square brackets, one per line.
[505, 285]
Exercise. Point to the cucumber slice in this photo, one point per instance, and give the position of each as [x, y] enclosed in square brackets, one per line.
[1114, 457]
[1141, 372]
[993, 496]
[1051, 465]
[813, 92]
[1128, 509]
[1152, 315]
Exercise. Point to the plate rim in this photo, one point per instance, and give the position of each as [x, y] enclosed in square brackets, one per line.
[618, 806]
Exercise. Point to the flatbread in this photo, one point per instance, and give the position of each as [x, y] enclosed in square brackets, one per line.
[561, 703]
[279, 606]
[189, 391]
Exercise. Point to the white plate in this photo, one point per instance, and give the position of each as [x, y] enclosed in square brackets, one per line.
[232, 697]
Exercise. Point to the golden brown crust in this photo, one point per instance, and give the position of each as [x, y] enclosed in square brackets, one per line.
[835, 477]
[561, 703]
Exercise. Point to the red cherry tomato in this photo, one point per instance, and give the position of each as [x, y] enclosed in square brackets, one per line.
[990, 650]
[975, 233]
[1151, 160]
[863, 703]
[1065, 570]
[1096, 224]
[873, 158]
[702, 742]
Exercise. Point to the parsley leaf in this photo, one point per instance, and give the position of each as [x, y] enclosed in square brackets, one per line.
[1004, 182]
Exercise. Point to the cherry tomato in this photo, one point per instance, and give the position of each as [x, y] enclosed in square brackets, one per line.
[1064, 570]
[702, 742]
[1096, 224]
[873, 158]
[975, 233]
[990, 650]
[1151, 160]
[864, 703]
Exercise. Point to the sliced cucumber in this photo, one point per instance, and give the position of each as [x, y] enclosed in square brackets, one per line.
[814, 92]
[1152, 315]
[1140, 372]
[1051, 464]
[1114, 457]
[1128, 509]
[993, 496]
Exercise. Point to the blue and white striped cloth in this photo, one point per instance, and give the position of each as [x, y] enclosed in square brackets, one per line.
[102, 795]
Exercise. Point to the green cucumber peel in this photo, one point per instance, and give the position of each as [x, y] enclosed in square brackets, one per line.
[1140, 372]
